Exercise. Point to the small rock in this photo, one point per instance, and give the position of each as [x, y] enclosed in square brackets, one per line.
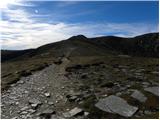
[62, 87]
[34, 103]
[118, 94]
[147, 112]
[139, 96]
[47, 94]
[12, 85]
[153, 90]
[86, 113]
[47, 113]
[20, 82]
[50, 103]
[24, 112]
[24, 108]
[75, 111]
[31, 111]
[17, 103]
[25, 91]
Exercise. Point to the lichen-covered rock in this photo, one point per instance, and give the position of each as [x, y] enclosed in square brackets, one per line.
[114, 104]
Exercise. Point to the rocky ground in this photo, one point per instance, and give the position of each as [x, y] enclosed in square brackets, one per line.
[90, 90]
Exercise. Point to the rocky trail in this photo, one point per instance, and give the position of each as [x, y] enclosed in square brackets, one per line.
[82, 91]
[35, 94]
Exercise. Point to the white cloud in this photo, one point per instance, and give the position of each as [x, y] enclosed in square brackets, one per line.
[22, 31]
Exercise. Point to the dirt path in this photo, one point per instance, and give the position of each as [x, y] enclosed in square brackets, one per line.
[47, 86]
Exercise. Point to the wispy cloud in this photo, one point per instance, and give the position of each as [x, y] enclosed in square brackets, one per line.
[21, 30]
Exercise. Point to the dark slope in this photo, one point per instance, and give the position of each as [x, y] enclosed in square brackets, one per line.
[11, 54]
[145, 45]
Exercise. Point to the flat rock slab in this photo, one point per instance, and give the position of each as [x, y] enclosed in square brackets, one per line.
[114, 104]
[139, 96]
[153, 90]
[73, 112]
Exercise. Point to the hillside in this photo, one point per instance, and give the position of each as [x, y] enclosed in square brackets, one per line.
[145, 45]
[97, 78]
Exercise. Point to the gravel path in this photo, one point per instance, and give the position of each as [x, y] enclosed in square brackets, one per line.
[47, 87]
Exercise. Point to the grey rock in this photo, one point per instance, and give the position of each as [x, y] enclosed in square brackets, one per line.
[153, 90]
[47, 113]
[47, 94]
[73, 112]
[86, 113]
[31, 111]
[35, 103]
[114, 104]
[50, 103]
[24, 108]
[147, 112]
[139, 96]
[155, 72]
[20, 82]
[24, 112]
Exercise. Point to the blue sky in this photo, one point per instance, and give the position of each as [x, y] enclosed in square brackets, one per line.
[34, 23]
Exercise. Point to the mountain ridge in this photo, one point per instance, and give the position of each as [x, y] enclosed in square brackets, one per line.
[146, 45]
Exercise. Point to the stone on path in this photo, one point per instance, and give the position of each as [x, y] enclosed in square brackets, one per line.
[47, 94]
[114, 104]
[139, 96]
[73, 112]
[154, 90]
[47, 113]
[34, 103]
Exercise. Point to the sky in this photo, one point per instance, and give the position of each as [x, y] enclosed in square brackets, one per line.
[30, 24]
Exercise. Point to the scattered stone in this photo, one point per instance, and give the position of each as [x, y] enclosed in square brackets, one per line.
[75, 111]
[50, 103]
[31, 111]
[62, 87]
[17, 103]
[155, 72]
[47, 94]
[118, 94]
[86, 113]
[47, 113]
[24, 112]
[34, 103]
[20, 82]
[12, 85]
[24, 108]
[114, 104]
[153, 90]
[25, 91]
[147, 112]
[139, 96]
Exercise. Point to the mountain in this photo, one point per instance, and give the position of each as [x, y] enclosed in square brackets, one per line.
[146, 45]
[93, 78]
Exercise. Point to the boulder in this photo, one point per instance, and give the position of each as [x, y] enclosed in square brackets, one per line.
[117, 105]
